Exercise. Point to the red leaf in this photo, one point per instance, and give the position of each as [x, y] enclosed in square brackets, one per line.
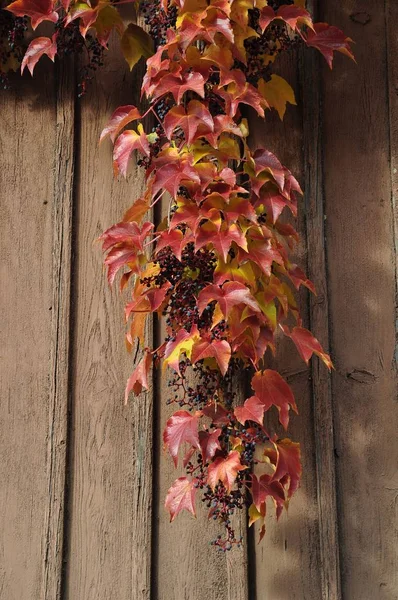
[170, 176]
[225, 470]
[252, 410]
[209, 443]
[217, 413]
[294, 15]
[124, 146]
[120, 118]
[38, 48]
[219, 349]
[328, 39]
[181, 496]
[177, 86]
[266, 487]
[272, 389]
[264, 160]
[37, 10]
[195, 121]
[130, 233]
[181, 427]
[221, 236]
[138, 381]
[307, 345]
[231, 294]
[288, 463]
[175, 239]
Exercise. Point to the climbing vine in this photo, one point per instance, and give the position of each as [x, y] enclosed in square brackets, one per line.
[218, 266]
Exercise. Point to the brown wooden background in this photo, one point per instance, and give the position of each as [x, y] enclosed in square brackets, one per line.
[81, 492]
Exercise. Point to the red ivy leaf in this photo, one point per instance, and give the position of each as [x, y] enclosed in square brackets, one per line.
[307, 345]
[328, 39]
[219, 349]
[120, 118]
[209, 443]
[266, 487]
[272, 390]
[252, 410]
[124, 146]
[225, 470]
[38, 48]
[37, 10]
[195, 121]
[181, 427]
[138, 381]
[181, 496]
[288, 463]
[231, 294]
[217, 413]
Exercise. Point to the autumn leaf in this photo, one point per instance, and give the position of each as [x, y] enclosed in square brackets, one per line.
[138, 381]
[272, 390]
[180, 428]
[217, 413]
[124, 146]
[108, 19]
[218, 349]
[225, 470]
[209, 443]
[194, 121]
[181, 496]
[135, 43]
[307, 345]
[37, 48]
[183, 343]
[329, 39]
[288, 467]
[227, 296]
[252, 410]
[277, 92]
[137, 210]
[37, 10]
[266, 487]
[120, 118]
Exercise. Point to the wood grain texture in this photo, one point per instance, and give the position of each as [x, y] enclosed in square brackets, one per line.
[361, 272]
[319, 320]
[186, 567]
[287, 562]
[111, 457]
[53, 533]
[31, 460]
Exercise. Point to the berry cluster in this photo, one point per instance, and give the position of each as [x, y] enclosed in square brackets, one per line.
[12, 44]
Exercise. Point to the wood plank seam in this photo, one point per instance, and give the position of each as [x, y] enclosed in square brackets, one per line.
[319, 325]
[59, 385]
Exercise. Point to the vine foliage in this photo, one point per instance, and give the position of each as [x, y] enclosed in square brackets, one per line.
[218, 267]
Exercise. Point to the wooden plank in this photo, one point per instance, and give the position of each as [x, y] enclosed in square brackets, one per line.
[111, 473]
[60, 333]
[287, 560]
[186, 567]
[361, 271]
[34, 301]
[319, 321]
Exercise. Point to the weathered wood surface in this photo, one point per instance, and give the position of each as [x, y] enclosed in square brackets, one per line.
[81, 494]
[361, 276]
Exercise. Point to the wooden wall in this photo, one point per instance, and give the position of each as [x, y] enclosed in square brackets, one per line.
[83, 477]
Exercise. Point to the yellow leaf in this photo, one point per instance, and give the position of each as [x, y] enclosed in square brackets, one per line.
[301, 3]
[277, 93]
[135, 43]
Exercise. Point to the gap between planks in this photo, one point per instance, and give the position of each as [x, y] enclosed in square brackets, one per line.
[319, 323]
